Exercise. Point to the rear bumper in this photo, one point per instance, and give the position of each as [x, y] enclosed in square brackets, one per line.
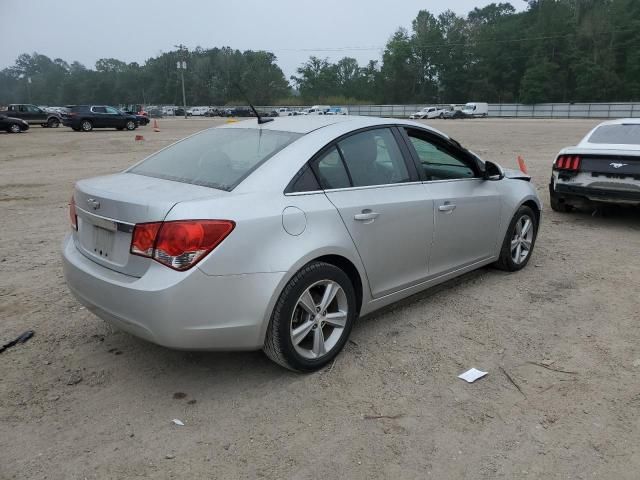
[596, 194]
[183, 310]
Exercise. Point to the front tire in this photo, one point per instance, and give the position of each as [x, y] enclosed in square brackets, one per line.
[53, 123]
[14, 128]
[86, 126]
[312, 319]
[130, 125]
[519, 240]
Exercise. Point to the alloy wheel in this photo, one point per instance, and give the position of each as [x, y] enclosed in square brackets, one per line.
[522, 239]
[319, 319]
[15, 128]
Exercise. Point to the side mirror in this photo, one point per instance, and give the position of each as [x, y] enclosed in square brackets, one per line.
[492, 171]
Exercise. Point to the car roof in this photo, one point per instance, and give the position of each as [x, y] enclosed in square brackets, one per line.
[308, 123]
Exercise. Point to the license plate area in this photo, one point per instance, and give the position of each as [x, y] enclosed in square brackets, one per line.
[103, 240]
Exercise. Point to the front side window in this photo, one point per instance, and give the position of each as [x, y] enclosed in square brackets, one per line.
[99, 110]
[374, 158]
[219, 157]
[436, 162]
[112, 110]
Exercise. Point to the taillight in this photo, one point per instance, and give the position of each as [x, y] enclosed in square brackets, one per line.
[568, 163]
[144, 237]
[179, 244]
[73, 217]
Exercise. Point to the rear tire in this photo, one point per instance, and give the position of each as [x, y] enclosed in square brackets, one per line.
[519, 241]
[86, 126]
[53, 123]
[306, 332]
[558, 204]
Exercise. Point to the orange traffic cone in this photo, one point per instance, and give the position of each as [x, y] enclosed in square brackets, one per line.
[522, 165]
[156, 128]
[139, 138]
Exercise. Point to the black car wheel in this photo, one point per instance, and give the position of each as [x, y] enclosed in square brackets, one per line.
[312, 319]
[53, 123]
[519, 240]
[130, 125]
[86, 126]
[15, 128]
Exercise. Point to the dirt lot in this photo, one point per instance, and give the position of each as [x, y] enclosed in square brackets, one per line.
[81, 400]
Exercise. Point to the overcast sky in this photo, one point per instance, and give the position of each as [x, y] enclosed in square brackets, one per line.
[134, 30]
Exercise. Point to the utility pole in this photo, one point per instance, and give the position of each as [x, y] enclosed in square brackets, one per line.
[182, 66]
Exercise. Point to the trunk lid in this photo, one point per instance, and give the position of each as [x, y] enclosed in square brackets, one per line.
[108, 207]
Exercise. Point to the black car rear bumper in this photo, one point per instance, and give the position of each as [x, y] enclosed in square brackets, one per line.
[597, 194]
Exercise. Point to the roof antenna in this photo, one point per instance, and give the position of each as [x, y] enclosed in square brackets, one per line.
[255, 112]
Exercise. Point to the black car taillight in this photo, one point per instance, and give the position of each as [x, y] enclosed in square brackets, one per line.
[570, 163]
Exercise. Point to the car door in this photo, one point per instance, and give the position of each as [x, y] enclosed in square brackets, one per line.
[36, 115]
[371, 181]
[466, 208]
[114, 118]
[25, 113]
[98, 116]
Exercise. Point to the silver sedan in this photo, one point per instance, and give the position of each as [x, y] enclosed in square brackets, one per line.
[279, 235]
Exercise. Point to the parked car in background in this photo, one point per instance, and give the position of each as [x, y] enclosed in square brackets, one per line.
[453, 112]
[141, 120]
[33, 115]
[154, 112]
[603, 168]
[428, 112]
[12, 124]
[318, 110]
[337, 111]
[198, 111]
[214, 112]
[169, 110]
[88, 117]
[476, 109]
[278, 236]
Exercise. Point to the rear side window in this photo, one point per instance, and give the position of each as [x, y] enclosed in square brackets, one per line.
[628, 134]
[219, 157]
[331, 171]
[374, 158]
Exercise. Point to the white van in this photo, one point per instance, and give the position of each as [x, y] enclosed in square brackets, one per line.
[476, 109]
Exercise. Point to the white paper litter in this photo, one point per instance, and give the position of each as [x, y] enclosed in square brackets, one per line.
[178, 422]
[472, 375]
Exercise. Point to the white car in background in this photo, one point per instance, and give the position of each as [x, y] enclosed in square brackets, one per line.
[428, 112]
[603, 168]
[318, 110]
[198, 111]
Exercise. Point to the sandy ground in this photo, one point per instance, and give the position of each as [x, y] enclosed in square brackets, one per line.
[81, 400]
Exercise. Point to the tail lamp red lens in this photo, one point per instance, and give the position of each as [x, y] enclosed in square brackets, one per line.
[568, 162]
[179, 244]
[73, 217]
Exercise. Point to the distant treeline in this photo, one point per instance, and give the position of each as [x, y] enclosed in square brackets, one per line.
[554, 51]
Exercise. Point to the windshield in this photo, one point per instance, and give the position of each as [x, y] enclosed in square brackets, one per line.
[219, 157]
[628, 134]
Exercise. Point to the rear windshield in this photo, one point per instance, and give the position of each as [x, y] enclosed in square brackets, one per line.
[628, 134]
[219, 157]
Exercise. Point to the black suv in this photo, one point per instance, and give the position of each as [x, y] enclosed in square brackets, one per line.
[88, 117]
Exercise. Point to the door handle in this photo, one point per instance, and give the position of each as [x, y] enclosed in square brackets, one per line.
[366, 216]
[447, 207]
